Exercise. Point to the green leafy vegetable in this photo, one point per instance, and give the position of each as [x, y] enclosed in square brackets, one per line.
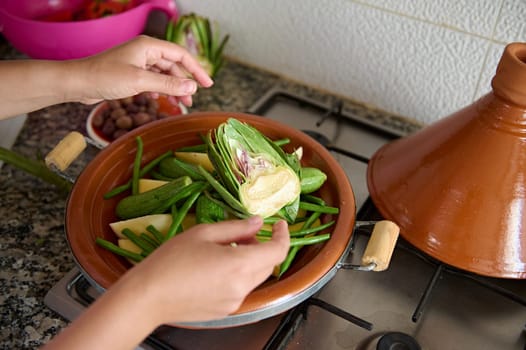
[197, 35]
[254, 170]
[236, 172]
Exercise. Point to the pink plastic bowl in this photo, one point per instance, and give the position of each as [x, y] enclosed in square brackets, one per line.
[66, 40]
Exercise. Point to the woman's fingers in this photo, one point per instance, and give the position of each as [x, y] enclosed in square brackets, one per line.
[271, 253]
[242, 232]
[166, 84]
[226, 232]
[167, 51]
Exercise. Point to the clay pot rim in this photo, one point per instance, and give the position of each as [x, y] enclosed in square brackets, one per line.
[104, 268]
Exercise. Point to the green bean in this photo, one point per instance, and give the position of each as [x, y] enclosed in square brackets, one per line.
[158, 176]
[118, 250]
[311, 230]
[312, 199]
[301, 232]
[183, 193]
[197, 148]
[319, 208]
[271, 220]
[156, 233]
[150, 240]
[176, 221]
[137, 166]
[138, 241]
[226, 207]
[174, 212]
[117, 190]
[300, 241]
[282, 142]
[147, 168]
[189, 169]
[227, 197]
[284, 266]
[310, 221]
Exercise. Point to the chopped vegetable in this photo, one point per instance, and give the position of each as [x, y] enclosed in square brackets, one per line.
[179, 215]
[254, 170]
[244, 170]
[161, 222]
[146, 203]
[208, 210]
[196, 158]
[119, 189]
[149, 184]
[311, 179]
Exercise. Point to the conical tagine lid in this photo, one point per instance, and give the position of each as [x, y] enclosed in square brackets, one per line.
[457, 188]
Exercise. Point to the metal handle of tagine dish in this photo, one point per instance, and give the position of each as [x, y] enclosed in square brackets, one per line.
[379, 250]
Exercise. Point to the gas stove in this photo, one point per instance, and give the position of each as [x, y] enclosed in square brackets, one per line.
[417, 303]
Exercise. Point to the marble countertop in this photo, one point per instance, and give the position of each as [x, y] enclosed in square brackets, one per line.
[34, 254]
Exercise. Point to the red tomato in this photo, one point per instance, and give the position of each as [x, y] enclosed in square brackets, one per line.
[167, 106]
[93, 9]
[60, 16]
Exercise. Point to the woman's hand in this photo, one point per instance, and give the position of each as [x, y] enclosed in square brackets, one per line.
[195, 276]
[144, 64]
[199, 276]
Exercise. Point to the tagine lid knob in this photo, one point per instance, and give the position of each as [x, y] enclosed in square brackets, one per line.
[509, 81]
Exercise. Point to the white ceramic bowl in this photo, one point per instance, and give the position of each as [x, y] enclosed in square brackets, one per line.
[96, 134]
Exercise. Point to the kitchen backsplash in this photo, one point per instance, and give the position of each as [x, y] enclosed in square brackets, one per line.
[418, 59]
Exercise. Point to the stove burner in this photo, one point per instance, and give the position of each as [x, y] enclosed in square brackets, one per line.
[324, 140]
[397, 341]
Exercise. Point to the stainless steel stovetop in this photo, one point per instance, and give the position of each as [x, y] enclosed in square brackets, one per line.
[416, 303]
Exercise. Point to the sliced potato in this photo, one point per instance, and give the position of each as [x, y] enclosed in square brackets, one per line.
[150, 184]
[196, 158]
[125, 243]
[138, 225]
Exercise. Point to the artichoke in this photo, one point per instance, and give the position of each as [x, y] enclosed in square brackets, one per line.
[254, 170]
[196, 34]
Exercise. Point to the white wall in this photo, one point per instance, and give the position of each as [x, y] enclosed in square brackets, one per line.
[418, 59]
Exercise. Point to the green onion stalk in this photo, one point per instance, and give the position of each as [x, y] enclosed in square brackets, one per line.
[36, 168]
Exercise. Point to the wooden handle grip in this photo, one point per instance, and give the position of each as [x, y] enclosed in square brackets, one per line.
[66, 151]
[381, 245]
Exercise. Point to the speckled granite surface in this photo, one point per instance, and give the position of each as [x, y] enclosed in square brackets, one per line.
[34, 254]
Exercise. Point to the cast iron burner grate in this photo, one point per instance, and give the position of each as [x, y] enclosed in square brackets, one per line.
[368, 212]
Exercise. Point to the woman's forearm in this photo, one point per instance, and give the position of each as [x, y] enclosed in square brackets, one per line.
[143, 64]
[28, 85]
[121, 319]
